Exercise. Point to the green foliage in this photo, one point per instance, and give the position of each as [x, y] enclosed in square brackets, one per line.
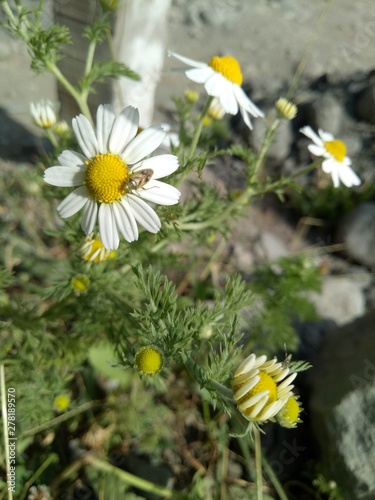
[106, 69]
[281, 288]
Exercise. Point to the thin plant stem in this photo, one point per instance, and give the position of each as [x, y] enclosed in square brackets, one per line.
[5, 424]
[264, 149]
[60, 418]
[90, 57]
[198, 130]
[306, 52]
[51, 137]
[79, 98]
[274, 480]
[258, 464]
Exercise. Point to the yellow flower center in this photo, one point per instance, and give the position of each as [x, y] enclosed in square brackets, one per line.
[336, 148]
[229, 67]
[80, 283]
[61, 402]
[288, 416]
[106, 177]
[149, 360]
[265, 383]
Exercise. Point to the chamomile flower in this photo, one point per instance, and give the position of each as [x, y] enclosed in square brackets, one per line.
[112, 177]
[336, 162]
[44, 113]
[261, 388]
[222, 78]
[149, 360]
[93, 250]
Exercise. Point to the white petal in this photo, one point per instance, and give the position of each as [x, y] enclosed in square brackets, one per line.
[124, 129]
[105, 117]
[348, 176]
[144, 214]
[125, 220]
[246, 103]
[187, 60]
[308, 132]
[85, 136]
[229, 102]
[325, 136]
[199, 75]
[329, 166]
[216, 85]
[73, 202]
[162, 165]
[159, 192]
[89, 216]
[71, 159]
[246, 118]
[145, 143]
[316, 150]
[64, 176]
[107, 227]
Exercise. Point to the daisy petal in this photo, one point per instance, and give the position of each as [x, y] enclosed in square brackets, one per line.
[162, 165]
[329, 166]
[90, 214]
[325, 136]
[348, 176]
[316, 150]
[125, 220]
[145, 143]
[308, 132]
[73, 202]
[335, 178]
[216, 85]
[85, 136]
[159, 192]
[199, 75]
[187, 60]
[104, 123]
[144, 214]
[65, 176]
[246, 103]
[107, 227]
[124, 129]
[71, 159]
[229, 102]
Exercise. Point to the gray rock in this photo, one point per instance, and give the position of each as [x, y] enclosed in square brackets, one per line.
[365, 106]
[341, 299]
[342, 407]
[324, 112]
[281, 144]
[357, 232]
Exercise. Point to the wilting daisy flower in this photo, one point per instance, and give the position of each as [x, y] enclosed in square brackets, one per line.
[113, 177]
[336, 162]
[261, 388]
[289, 414]
[93, 250]
[222, 78]
[43, 113]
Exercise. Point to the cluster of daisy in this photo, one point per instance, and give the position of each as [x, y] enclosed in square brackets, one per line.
[263, 391]
[114, 176]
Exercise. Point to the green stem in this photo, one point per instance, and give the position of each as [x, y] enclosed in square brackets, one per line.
[9, 13]
[264, 149]
[51, 137]
[198, 130]
[130, 479]
[274, 480]
[39, 472]
[79, 98]
[90, 57]
[60, 418]
[5, 424]
[258, 463]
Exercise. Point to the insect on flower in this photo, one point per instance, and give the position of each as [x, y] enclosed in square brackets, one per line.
[139, 179]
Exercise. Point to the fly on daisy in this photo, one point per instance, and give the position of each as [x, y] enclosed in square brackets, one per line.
[336, 162]
[222, 78]
[105, 176]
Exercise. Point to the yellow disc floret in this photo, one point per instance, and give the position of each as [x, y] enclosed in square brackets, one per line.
[149, 360]
[288, 416]
[61, 402]
[229, 67]
[265, 383]
[106, 177]
[336, 148]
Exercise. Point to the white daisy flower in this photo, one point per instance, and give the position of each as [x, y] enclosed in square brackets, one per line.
[112, 176]
[336, 162]
[44, 113]
[261, 388]
[222, 78]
